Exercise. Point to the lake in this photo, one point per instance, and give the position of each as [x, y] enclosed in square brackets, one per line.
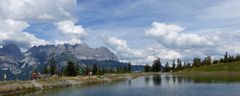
[155, 85]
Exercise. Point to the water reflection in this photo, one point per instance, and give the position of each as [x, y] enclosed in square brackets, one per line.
[169, 79]
[129, 82]
[156, 79]
[155, 85]
[147, 79]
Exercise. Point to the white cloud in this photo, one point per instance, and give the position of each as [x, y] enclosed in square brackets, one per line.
[173, 36]
[139, 56]
[120, 47]
[115, 42]
[163, 53]
[72, 41]
[11, 32]
[17, 15]
[73, 33]
[226, 9]
[30, 10]
[70, 29]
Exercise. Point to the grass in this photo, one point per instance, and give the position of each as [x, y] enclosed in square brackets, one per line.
[229, 67]
[222, 72]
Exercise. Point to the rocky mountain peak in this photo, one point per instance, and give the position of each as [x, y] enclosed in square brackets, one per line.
[11, 49]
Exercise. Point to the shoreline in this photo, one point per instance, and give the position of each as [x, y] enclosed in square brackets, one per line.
[207, 74]
[18, 87]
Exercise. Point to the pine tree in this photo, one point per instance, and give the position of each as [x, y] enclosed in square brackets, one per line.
[226, 57]
[45, 70]
[71, 70]
[52, 66]
[188, 65]
[111, 70]
[77, 69]
[87, 70]
[103, 71]
[179, 64]
[196, 62]
[215, 61]
[167, 67]
[129, 67]
[156, 67]
[147, 68]
[237, 57]
[95, 69]
[230, 58]
[184, 65]
[207, 61]
[173, 65]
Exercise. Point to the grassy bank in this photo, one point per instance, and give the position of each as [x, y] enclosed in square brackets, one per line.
[14, 87]
[221, 70]
[230, 67]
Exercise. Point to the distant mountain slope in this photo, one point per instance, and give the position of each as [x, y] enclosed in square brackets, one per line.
[12, 60]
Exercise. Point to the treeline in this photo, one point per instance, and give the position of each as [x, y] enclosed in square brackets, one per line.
[74, 69]
[157, 67]
[179, 65]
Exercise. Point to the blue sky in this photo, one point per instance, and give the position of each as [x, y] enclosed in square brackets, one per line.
[136, 30]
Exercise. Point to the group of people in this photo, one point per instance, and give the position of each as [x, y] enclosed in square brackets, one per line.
[34, 76]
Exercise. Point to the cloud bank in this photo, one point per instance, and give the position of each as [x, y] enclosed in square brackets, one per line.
[18, 15]
[174, 36]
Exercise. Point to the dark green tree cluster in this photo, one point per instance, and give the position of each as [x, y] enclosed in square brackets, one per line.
[177, 66]
[94, 69]
[196, 62]
[45, 70]
[71, 69]
[167, 67]
[100, 70]
[156, 66]
[129, 69]
[227, 59]
[52, 66]
[147, 68]
[207, 61]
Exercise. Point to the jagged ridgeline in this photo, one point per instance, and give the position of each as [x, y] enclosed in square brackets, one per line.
[17, 64]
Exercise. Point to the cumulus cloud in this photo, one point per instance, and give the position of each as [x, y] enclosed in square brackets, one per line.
[68, 28]
[115, 43]
[11, 32]
[17, 15]
[139, 56]
[37, 10]
[72, 33]
[163, 53]
[173, 36]
[173, 42]
[120, 47]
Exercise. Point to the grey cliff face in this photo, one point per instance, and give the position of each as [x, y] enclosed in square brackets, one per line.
[13, 60]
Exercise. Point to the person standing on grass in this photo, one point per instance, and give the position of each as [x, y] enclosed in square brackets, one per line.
[34, 76]
[4, 77]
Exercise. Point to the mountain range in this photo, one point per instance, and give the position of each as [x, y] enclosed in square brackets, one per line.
[17, 64]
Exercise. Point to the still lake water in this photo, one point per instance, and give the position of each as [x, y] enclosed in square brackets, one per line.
[155, 85]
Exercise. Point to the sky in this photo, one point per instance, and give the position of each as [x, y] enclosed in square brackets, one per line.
[135, 30]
